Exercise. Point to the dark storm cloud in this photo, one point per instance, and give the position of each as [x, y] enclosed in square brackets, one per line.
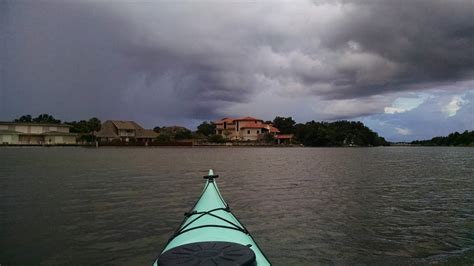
[165, 61]
[61, 58]
[88, 58]
[427, 41]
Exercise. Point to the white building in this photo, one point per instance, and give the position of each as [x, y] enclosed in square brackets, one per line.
[35, 134]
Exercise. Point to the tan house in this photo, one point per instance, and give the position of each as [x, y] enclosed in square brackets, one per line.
[245, 128]
[125, 131]
[35, 134]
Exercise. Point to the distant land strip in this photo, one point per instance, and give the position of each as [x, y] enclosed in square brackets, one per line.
[311, 134]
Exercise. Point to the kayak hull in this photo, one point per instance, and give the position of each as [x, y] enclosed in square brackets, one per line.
[211, 220]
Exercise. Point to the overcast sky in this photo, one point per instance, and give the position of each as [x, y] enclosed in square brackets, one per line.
[404, 68]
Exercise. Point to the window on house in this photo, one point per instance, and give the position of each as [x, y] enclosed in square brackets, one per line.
[258, 132]
[225, 125]
[248, 132]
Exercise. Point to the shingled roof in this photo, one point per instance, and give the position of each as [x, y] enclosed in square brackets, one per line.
[110, 129]
[247, 118]
[231, 120]
[146, 133]
[126, 124]
[226, 119]
[33, 124]
[107, 130]
[252, 125]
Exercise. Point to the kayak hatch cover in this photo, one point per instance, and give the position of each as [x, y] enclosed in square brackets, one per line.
[211, 235]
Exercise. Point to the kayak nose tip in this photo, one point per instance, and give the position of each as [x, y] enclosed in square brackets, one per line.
[210, 176]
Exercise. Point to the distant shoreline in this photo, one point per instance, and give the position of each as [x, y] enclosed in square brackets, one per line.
[207, 146]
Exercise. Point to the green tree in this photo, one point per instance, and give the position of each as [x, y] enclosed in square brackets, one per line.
[24, 119]
[46, 118]
[216, 139]
[339, 133]
[94, 124]
[206, 128]
[78, 126]
[156, 129]
[163, 138]
[269, 138]
[454, 139]
[286, 125]
[176, 132]
[183, 134]
[85, 127]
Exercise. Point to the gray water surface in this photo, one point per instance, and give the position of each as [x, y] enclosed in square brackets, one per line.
[304, 206]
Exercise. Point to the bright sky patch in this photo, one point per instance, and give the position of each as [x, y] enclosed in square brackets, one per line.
[403, 104]
[403, 131]
[454, 105]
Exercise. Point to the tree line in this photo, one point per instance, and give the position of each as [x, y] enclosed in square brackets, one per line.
[329, 134]
[338, 133]
[454, 139]
[320, 134]
[173, 133]
[82, 126]
[315, 134]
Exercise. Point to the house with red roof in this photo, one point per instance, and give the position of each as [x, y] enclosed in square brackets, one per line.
[244, 128]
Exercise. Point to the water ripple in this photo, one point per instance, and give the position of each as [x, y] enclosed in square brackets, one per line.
[304, 206]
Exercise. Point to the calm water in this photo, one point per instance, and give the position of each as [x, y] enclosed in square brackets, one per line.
[304, 206]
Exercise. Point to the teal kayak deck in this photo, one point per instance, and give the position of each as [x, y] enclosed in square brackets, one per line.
[211, 220]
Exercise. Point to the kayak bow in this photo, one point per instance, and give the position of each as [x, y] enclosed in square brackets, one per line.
[211, 235]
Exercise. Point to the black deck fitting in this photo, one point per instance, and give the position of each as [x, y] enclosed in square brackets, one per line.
[209, 253]
[210, 177]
